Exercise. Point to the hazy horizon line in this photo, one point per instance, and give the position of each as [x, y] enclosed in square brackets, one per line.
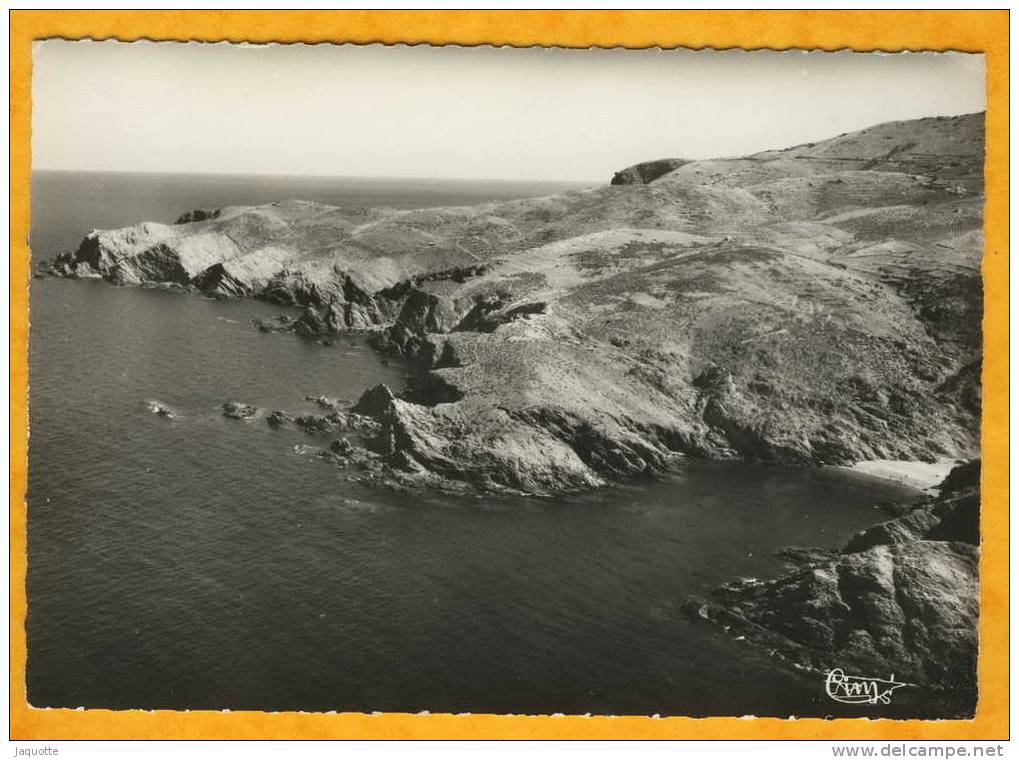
[507, 180]
[480, 179]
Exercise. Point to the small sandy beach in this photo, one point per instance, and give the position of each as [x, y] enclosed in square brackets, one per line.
[923, 475]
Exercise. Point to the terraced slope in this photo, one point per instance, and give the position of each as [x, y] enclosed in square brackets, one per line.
[819, 304]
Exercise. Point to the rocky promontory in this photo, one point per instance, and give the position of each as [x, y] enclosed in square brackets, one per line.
[901, 598]
[814, 305]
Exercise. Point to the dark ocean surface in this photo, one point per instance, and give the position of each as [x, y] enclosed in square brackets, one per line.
[202, 562]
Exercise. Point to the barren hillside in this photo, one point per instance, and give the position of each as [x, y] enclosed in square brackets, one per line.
[819, 304]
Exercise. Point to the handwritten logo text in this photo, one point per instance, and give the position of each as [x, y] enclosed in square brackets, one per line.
[860, 690]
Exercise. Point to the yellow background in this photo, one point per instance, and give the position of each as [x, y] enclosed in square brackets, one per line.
[985, 31]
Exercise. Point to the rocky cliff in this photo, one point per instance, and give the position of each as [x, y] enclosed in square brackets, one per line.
[819, 304]
[648, 171]
[901, 598]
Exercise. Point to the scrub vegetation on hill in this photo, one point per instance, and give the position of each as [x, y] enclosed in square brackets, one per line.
[814, 305]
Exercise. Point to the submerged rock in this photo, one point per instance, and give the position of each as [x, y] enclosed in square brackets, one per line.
[279, 324]
[278, 419]
[160, 410]
[325, 402]
[235, 410]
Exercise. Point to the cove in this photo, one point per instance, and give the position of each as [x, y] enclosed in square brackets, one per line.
[200, 562]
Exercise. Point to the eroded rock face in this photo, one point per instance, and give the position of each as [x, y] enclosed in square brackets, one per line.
[649, 171]
[954, 516]
[902, 598]
[815, 305]
[910, 609]
[377, 401]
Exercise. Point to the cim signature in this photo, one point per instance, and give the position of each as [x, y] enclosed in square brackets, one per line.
[860, 690]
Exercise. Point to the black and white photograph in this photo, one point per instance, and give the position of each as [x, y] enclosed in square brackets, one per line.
[495, 380]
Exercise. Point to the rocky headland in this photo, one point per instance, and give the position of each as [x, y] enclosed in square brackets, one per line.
[901, 598]
[814, 305]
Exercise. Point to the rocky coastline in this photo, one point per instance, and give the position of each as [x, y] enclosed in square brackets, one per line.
[901, 597]
[818, 305]
[814, 305]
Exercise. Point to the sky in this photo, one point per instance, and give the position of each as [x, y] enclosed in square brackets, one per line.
[498, 113]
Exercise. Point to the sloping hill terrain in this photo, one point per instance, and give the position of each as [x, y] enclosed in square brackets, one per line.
[819, 304]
